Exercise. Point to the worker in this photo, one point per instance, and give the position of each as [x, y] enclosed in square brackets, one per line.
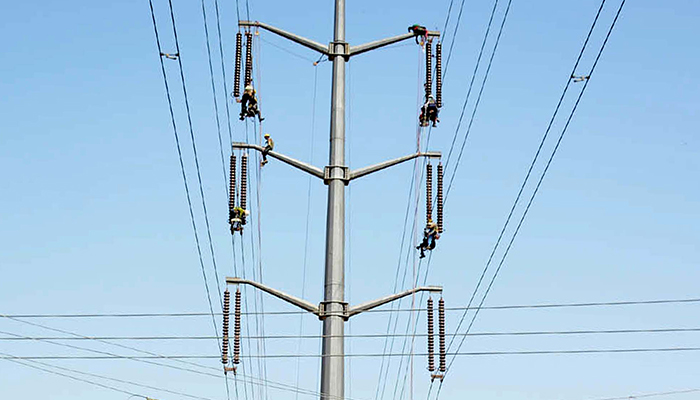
[419, 31]
[269, 145]
[429, 112]
[237, 219]
[249, 104]
[430, 235]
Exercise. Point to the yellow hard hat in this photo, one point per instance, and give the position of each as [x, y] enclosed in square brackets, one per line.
[267, 135]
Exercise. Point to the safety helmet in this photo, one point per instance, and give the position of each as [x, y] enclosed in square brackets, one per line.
[430, 97]
[249, 87]
[267, 135]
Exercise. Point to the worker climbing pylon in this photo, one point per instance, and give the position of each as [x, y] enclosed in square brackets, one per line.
[429, 113]
[269, 145]
[430, 235]
[249, 104]
[237, 217]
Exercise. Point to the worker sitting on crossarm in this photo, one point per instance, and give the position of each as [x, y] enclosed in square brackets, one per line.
[418, 31]
[429, 112]
[249, 104]
[430, 235]
[237, 219]
[269, 145]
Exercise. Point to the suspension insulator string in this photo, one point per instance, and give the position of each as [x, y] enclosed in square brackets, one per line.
[439, 197]
[232, 186]
[428, 193]
[237, 68]
[441, 333]
[248, 58]
[244, 187]
[224, 345]
[237, 328]
[431, 334]
[428, 68]
[438, 74]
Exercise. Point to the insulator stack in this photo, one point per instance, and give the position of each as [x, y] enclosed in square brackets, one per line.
[237, 328]
[248, 58]
[439, 197]
[224, 345]
[232, 185]
[428, 69]
[438, 74]
[244, 185]
[431, 338]
[428, 193]
[237, 68]
[441, 333]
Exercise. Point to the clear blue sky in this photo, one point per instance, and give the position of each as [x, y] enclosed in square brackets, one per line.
[95, 220]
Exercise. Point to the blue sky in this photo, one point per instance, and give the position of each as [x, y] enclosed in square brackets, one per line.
[95, 217]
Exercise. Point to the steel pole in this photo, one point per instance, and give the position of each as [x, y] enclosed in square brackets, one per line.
[332, 360]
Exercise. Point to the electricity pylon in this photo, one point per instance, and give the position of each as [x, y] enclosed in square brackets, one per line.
[333, 310]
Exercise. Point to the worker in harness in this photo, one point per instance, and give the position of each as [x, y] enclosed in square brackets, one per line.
[237, 219]
[429, 112]
[249, 104]
[430, 235]
[269, 145]
[420, 32]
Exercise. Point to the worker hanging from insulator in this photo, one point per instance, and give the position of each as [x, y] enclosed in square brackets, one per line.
[438, 74]
[248, 59]
[237, 328]
[439, 198]
[428, 192]
[429, 113]
[249, 104]
[441, 334]
[224, 345]
[237, 68]
[269, 146]
[430, 236]
[428, 69]
[431, 334]
[420, 32]
[237, 214]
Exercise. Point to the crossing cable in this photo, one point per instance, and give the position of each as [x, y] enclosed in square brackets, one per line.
[646, 395]
[581, 332]
[454, 32]
[75, 378]
[179, 153]
[539, 183]
[223, 70]
[147, 360]
[373, 355]
[501, 307]
[92, 375]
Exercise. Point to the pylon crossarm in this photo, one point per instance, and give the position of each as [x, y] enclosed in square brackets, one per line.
[313, 45]
[386, 164]
[303, 304]
[317, 172]
[363, 48]
[387, 299]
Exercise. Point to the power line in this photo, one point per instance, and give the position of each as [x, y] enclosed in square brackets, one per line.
[501, 307]
[544, 172]
[657, 394]
[453, 354]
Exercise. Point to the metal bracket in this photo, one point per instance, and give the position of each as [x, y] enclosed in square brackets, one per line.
[332, 53]
[322, 313]
[328, 170]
